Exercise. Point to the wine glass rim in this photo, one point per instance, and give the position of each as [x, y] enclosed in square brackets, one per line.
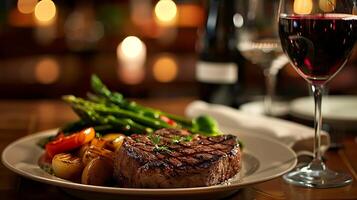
[342, 16]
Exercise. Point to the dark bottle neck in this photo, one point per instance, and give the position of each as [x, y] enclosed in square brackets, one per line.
[220, 34]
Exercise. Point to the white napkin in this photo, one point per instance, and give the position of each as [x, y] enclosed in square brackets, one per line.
[296, 136]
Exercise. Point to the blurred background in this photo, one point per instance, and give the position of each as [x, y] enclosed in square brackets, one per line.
[142, 48]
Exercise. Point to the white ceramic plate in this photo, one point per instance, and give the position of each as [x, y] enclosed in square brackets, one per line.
[341, 110]
[279, 108]
[263, 160]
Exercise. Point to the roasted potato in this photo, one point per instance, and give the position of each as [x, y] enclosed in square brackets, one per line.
[115, 140]
[67, 166]
[94, 152]
[82, 150]
[98, 171]
[99, 142]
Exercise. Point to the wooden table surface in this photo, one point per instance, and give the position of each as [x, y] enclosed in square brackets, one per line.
[20, 118]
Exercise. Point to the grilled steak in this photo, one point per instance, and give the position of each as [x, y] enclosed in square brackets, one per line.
[171, 158]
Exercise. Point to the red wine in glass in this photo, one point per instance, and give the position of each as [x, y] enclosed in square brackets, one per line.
[318, 45]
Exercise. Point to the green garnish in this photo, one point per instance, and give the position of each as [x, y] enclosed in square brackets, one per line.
[206, 125]
[188, 138]
[177, 139]
[241, 145]
[47, 168]
[98, 135]
[155, 139]
[161, 148]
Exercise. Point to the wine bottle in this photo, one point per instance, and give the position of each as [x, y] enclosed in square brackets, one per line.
[219, 68]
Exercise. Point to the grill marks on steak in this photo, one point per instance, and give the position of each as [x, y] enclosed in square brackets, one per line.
[203, 161]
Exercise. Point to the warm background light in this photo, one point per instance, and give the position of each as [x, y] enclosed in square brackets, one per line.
[303, 7]
[190, 15]
[327, 5]
[131, 47]
[131, 76]
[141, 12]
[165, 69]
[166, 11]
[131, 54]
[47, 71]
[46, 22]
[45, 11]
[82, 30]
[26, 6]
[238, 20]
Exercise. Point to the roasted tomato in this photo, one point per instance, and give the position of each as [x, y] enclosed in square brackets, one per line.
[68, 143]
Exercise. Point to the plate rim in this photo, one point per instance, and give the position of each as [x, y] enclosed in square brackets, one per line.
[135, 191]
[303, 115]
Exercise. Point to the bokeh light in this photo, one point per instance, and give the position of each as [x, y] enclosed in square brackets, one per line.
[131, 47]
[303, 7]
[131, 76]
[26, 6]
[141, 12]
[238, 20]
[166, 11]
[82, 30]
[45, 11]
[165, 69]
[190, 15]
[47, 71]
[327, 5]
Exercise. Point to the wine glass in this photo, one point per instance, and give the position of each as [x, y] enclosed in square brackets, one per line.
[318, 37]
[258, 41]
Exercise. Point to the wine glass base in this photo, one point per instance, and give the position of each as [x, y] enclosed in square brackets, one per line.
[311, 177]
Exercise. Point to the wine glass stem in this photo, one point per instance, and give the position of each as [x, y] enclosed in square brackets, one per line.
[270, 82]
[317, 91]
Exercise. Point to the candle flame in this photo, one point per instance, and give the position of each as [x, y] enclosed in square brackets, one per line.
[45, 11]
[166, 11]
[303, 7]
[327, 5]
[131, 47]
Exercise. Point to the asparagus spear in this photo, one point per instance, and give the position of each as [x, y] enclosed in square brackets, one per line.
[124, 124]
[94, 112]
[105, 110]
[118, 99]
[110, 108]
[96, 99]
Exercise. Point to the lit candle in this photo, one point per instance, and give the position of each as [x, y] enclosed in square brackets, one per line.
[131, 54]
[303, 7]
[45, 15]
